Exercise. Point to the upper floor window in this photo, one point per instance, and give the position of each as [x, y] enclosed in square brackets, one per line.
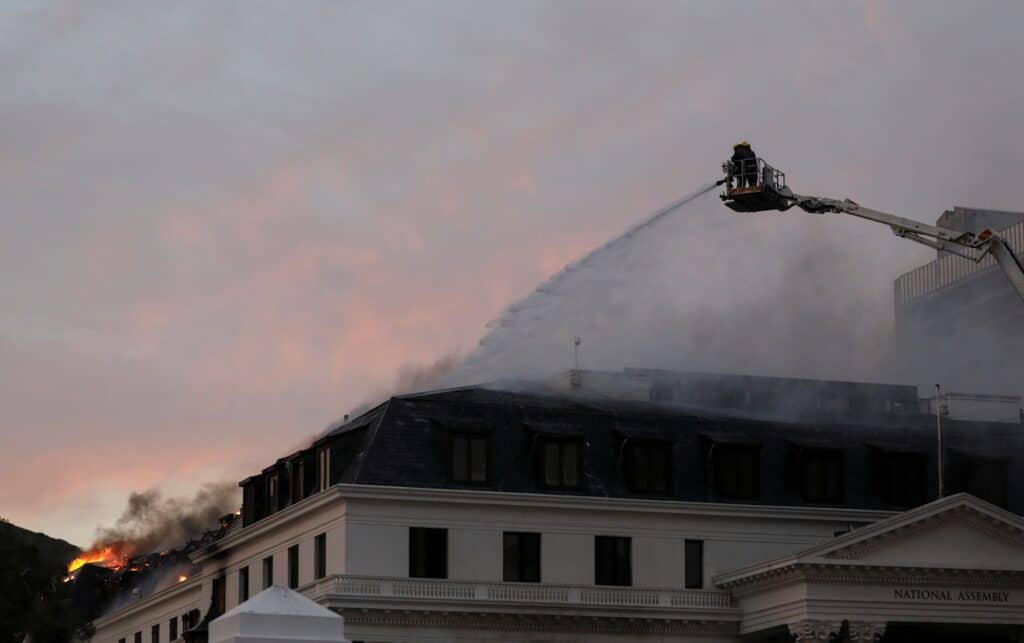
[821, 476]
[613, 564]
[560, 460]
[428, 552]
[138, 637]
[154, 634]
[243, 584]
[293, 566]
[469, 457]
[219, 595]
[320, 556]
[985, 478]
[298, 479]
[272, 492]
[268, 571]
[648, 466]
[172, 629]
[521, 557]
[737, 471]
[694, 570]
[903, 478]
[323, 468]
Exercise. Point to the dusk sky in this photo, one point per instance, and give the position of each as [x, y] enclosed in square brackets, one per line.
[225, 225]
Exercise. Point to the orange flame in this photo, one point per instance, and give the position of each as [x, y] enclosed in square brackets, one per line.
[182, 579]
[110, 556]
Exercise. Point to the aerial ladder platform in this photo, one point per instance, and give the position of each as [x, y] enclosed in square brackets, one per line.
[752, 185]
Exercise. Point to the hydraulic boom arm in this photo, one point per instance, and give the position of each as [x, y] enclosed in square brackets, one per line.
[966, 244]
[755, 186]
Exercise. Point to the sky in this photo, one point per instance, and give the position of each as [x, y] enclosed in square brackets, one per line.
[225, 225]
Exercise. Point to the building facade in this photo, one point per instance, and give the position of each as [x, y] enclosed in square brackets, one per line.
[959, 322]
[484, 515]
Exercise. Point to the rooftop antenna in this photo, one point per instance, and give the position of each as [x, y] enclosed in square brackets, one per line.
[574, 377]
[938, 429]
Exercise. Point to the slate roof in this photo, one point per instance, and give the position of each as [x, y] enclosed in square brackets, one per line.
[404, 442]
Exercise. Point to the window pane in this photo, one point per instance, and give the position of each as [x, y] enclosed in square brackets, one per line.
[694, 564]
[552, 477]
[478, 460]
[268, 571]
[293, 566]
[428, 552]
[511, 557]
[570, 464]
[320, 556]
[530, 558]
[460, 457]
[612, 560]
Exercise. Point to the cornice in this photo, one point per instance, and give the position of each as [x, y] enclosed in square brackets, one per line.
[269, 524]
[983, 522]
[637, 505]
[881, 575]
[534, 622]
[147, 602]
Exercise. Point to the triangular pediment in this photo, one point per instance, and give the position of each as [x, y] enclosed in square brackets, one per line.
[956, 532]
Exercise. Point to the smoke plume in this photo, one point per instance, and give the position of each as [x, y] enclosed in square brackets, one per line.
[152, 522]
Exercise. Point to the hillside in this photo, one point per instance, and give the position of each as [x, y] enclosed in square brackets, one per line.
[34, 599]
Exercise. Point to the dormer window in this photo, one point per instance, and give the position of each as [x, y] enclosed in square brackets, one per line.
[737, 471]
[647, 465]
[821, 476]
[298, 476]
[560, 461]
[323, 468]
[469, 461]
[273, 489]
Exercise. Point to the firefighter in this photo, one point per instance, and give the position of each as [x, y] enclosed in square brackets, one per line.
[744, 163]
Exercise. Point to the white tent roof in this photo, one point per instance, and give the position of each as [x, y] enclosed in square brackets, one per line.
[278, 615]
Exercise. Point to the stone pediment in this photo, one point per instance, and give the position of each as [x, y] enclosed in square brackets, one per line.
[956, 532]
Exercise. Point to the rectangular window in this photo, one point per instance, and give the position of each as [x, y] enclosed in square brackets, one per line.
[272, 493]
[428, 552]
[469, 458]
[138, 637]
[821, 476]
[320, 556]
[613, 560]
[986, 478]
[293, 566]
[172, 629]
[521, 557]
[905, 478]
[243, 585]
[324, 468]
[648, 466]
[560, 463]
[154, 634]
[737, 471]
[298, 485]
[220, 595]
[120, 641]
[268, 571]
[694, 564]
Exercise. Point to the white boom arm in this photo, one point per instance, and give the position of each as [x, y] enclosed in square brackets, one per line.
[966, 244]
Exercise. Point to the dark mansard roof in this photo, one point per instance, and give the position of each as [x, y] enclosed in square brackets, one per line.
[406, 442]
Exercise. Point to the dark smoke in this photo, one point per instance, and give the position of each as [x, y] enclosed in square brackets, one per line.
[152, 522]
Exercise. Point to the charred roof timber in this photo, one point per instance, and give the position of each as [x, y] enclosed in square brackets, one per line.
[857, 445]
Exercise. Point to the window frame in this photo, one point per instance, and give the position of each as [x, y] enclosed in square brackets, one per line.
[172, 628]
[268, 571]
[621, 576]
[293, 566]
[718, 450]
[320, 556]
[428, 568]
[243, 584]
[693, 578]
[323, 469]
[653, 449]
[469, 437]
[541, 462]
[154, 633]
[805, 456]
[521, 572]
